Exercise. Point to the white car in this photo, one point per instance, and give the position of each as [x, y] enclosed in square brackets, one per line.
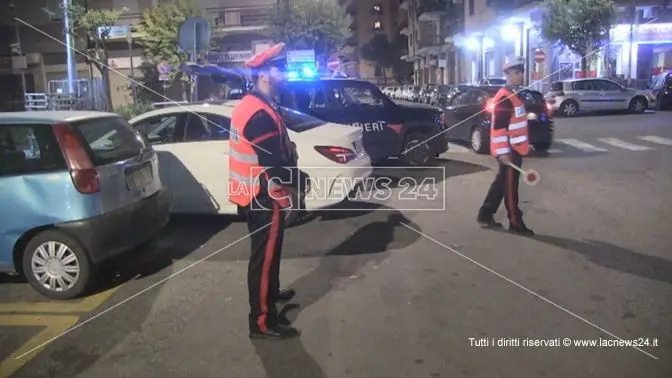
[193, 146]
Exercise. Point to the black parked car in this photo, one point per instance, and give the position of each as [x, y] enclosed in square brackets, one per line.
[441, 94]
[470, 109]
[661, 86]
[389, 128]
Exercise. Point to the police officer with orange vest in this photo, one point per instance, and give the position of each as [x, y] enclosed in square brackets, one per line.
[260, 179]
[508, 143]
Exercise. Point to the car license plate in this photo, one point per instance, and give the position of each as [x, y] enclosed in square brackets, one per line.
[139, 178]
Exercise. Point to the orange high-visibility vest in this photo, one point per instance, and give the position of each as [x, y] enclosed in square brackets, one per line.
[244, 168]
[515, 136]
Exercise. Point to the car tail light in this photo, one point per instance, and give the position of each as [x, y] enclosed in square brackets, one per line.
[340, 155]
[84, 175]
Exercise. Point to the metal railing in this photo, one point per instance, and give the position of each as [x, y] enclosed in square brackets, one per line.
[36, 101]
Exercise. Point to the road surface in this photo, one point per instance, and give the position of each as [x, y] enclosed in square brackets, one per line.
[401, 293]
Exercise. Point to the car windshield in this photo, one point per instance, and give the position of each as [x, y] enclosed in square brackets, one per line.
[298, 122]
[361, 95]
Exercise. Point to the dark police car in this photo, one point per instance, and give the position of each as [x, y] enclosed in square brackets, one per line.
[469, 111]
[390, 129]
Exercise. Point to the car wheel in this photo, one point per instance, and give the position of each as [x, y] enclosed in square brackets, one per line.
[569, 108]
[419, 151]
[479, 140]
[637, 105]
[541, 147]
[57, 265]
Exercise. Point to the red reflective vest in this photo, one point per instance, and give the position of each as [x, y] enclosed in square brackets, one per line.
[244, 168]
[515, 136]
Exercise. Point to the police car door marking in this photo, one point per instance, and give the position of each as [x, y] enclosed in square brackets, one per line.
[370, 126]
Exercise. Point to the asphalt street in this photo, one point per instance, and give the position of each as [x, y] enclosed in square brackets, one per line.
[390, 293]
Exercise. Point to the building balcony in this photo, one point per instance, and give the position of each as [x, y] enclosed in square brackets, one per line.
[240, 20]
[405, 5]
[432, 10]
[405, 31]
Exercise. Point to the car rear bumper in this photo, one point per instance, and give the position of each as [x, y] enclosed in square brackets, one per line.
[109, 234]
[331, 186]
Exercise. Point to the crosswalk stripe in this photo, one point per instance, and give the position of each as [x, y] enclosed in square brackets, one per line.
[581, 145]
[623, 144]
[656, 139]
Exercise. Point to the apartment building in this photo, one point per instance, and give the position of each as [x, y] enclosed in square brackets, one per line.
[369, 18]
[239, 32]
[429, 27]
[640, 42]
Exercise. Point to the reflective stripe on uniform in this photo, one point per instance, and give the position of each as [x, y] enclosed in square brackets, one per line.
[500, 139]
[517, 125]
[518, 139]
[245, 180]
[245, 158]
[502, 151]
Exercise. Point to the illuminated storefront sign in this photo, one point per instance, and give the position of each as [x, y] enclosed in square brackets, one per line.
[646, 33]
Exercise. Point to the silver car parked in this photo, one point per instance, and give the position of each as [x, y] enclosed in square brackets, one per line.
[569, 97]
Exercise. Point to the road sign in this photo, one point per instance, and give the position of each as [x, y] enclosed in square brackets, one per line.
[539, 56]
[300, 56]
[164, 70]
[194, 35]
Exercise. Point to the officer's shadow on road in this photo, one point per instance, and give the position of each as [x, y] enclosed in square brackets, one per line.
[340, 265]
[615, 257]
[438, 171]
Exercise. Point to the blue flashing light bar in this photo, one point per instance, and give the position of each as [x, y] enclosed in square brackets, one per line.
[301, 72]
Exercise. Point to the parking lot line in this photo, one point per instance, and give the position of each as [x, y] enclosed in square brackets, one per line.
[85, 305]
[54, 326]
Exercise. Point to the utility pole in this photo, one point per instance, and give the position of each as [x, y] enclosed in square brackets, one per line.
[633, 23]
[129, 39]
[17, 47]
[69, 46]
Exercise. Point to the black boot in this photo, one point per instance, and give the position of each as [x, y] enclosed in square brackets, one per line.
[488, 222]
[519, 228]
[285, 295]
[279, 332]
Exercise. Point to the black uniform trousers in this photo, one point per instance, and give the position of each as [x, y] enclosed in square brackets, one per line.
[263, 272]
[505, 186]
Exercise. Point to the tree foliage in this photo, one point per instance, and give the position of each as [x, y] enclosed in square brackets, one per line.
[380, 51]
[159, 27]
[579, 25]
[322, 25]
[93, 25]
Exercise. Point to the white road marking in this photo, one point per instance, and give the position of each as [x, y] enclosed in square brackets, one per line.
[554, 151]
[623, 144]
[656, 139]
[581, 145]
[452, 147]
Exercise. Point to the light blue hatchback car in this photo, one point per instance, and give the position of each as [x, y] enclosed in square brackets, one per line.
[75, 189]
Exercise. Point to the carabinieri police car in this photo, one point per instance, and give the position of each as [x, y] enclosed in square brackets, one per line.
[412, 133]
